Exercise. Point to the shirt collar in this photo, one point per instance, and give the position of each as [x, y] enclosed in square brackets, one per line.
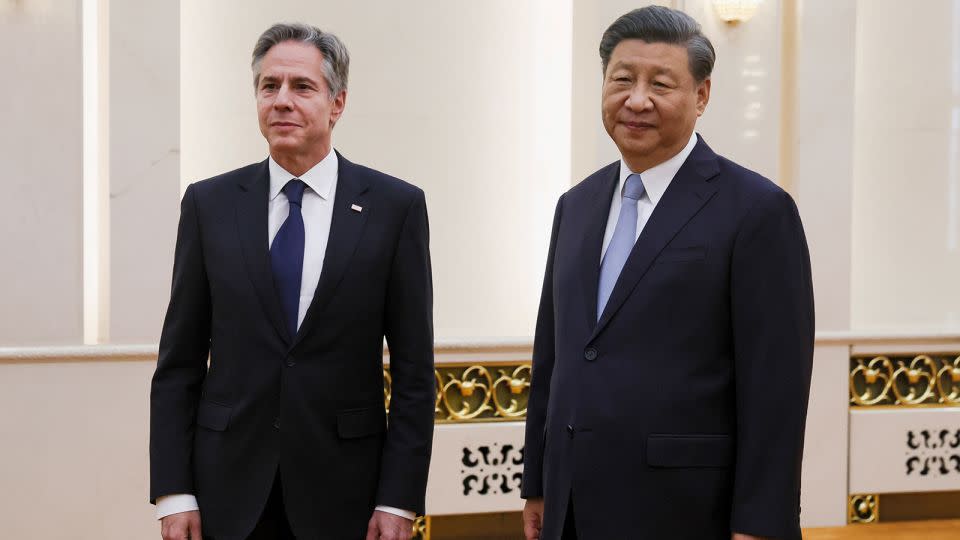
[656, 179]
[320, 178]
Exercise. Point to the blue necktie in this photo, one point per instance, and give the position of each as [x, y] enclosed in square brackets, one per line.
[286, 255]
[621, 244]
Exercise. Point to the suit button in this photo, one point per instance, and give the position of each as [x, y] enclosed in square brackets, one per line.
[590, 354]
[291, 362]
[276, 423]
[570, 431]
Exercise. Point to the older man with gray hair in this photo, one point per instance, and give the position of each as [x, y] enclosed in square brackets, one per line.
[267, 404]
[674, 343]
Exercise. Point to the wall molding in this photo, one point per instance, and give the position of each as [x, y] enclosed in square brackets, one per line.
[463, 349]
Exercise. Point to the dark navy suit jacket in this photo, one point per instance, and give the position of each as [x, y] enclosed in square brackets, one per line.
[680, 414]
[309, 405]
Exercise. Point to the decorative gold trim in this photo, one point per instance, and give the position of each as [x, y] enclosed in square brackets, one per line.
[472, 398]
[421, 528]
[922, 381]
[387, 388]
[514, 386]
[948, 382]
[474, 392]
[863, 509]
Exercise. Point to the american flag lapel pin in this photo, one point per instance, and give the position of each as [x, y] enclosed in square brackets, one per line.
[356, 208]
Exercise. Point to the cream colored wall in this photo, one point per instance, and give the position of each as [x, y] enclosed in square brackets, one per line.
[41, 147]
[906, 212]
[144, 165]
[468, 100]
[73, 463]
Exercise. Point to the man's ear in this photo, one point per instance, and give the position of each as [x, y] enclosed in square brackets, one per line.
[338, 104]
[703, 96]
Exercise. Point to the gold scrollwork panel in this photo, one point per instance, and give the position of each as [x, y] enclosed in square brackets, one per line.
[421, 528]
[921, 380]
[474, 392]
[948, 382]
[863, 509]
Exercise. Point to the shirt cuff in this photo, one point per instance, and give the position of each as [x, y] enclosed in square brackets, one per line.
[398, 512]
[174, 504]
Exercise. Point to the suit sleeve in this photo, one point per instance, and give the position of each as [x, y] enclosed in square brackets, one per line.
[182, 363]
[408, 327]
[544, 351]
[773, 333]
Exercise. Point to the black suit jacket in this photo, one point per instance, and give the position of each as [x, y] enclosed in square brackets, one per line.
[680, 414]
[310, 405]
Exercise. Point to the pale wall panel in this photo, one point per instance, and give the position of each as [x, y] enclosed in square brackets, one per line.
[75, 450]
[144, 164]
[468, 100]
[41, 149]
[822, 143]
[906, 211]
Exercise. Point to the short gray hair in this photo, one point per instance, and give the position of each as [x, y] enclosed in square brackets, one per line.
[336, 59]
[658, 24]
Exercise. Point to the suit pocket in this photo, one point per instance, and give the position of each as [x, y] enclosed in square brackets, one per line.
[689, 451]
[355, 423]
[213, 415]
[684, 254]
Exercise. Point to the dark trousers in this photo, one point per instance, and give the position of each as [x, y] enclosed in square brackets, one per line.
[273, 524]
[569, 524]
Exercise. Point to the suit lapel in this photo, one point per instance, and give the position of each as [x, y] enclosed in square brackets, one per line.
[688, 192]
[346, 228]
[251, 210]
[597, 213]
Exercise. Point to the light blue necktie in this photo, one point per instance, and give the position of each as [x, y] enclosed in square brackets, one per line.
[621, 244]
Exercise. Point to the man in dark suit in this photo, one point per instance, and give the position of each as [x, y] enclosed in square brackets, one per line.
[289, 274]
[673, 350]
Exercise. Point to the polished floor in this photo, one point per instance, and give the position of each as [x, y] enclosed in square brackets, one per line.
[910, 530]
[505, 526]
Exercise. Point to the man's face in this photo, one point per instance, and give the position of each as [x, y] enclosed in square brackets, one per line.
[651, 101]
[294, 105]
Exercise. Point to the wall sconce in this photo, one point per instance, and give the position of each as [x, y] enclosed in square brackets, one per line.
[736, 11]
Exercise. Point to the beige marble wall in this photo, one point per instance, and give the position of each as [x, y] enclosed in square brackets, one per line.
[906, 211]
[144, 165]
[822, 145]
[74, 458]
[41, 149]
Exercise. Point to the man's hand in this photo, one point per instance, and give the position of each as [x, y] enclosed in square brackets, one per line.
[533, 518]
[386, 526]
[738, 536]
[182, 526]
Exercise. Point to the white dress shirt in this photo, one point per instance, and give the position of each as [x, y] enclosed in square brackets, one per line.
[655, 182]
[317, 210]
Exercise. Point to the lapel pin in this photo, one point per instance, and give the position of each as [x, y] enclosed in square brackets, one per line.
[356, 208]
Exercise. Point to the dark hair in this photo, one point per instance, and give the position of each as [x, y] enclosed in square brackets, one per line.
[658, 24]
[336, 59]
